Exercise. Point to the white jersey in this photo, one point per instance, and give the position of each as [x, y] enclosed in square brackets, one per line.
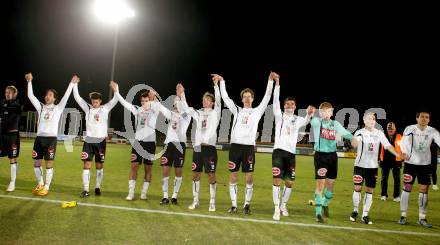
[416, 143]
[206, 121]
[369, 147]
[96, 118]
[48, 115]
[178, 124]
[145, 119]
[286, 126]
[245, 124]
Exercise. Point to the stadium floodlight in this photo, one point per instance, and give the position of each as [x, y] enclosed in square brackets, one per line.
[113, 11]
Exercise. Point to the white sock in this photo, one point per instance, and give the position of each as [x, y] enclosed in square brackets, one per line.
[131, 185]
[177, 184]
[248, 195]
[356, 200]
[99, 177]
[49, 175]
[286, 195]
[212, 190]
[39, 174]
[14, 172]
[233, 193]
[145, 187]
[86, 179]
[404, 199]
[276, 195]
[196, 189]
[165, 186]
[423, 205]
[368, 200]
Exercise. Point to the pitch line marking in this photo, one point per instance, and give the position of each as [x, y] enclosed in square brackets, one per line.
[226, 217]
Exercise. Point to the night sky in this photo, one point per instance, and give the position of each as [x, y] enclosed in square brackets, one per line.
[355, 58]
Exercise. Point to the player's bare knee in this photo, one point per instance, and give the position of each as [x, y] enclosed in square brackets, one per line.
[357, 188]
[407, 187]
[369, 190]
[423, 188]
[196, 176]
[211, 178]
[37, 163]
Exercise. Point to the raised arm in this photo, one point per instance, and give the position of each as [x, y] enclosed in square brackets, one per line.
[276, 100]
[30, 93]
[81, 102]
[218, 100]
[66, 96]
[263, 104]
[310, 112]
[224, 94]
[109, 105]
[121, 100]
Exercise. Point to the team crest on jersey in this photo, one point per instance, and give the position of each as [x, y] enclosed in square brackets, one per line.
[321, 172]
[407, 178]
[245, 120]
[276, 171]
[133, 157]
[97, 117]
[174, 125]
[34, 154]
[163, 160]
[357, 179]
[231, 165]
[193, 166]
[84, 155]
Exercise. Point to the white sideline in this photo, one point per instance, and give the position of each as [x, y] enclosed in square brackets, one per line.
[227, 217]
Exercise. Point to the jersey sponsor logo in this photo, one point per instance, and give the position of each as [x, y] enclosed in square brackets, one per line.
[322, 172]
[357, 179]
[174, 125]
[193, 166]
[328, 134]
[133, 157]
[97, 118]
[204, 123]
[231, 165]
[163, 160]
[84, 155]
[276, 171]
[34, 154]
[407, 178]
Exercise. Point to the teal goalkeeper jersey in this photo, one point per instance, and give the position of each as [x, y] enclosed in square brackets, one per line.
[325, 134]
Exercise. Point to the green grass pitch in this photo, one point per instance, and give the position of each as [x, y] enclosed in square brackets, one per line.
[37, 222]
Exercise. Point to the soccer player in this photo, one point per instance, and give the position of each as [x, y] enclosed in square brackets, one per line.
[366, 164]
[145, 138]
[205, 152]
[45, 144]
[326, 159]
[175, 144]
[10, 112]
[287, 126]
[415, 146]
[96, 116]
[390, 162]
[243, 136]
[434, 163]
